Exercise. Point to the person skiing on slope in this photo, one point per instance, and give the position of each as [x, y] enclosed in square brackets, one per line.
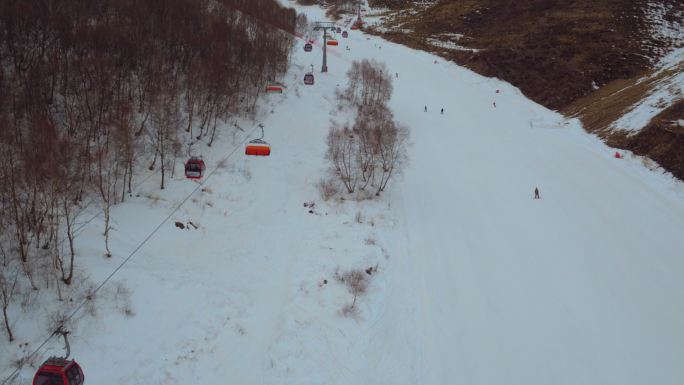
[425, 109]
[536, 193]
[442, 112]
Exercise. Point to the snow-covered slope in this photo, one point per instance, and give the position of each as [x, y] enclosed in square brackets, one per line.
[477, 282]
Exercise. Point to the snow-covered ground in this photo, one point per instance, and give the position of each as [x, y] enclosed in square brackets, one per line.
[477, 282]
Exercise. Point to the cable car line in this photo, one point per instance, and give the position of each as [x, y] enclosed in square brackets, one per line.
[128, 258]
[200, 184]
[77, 231]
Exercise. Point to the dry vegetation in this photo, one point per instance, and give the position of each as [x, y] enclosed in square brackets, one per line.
[552, 49]
[367, 154]
[356, 281]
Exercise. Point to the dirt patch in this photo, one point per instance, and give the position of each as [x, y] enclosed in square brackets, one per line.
[599, 110]
[661, 140]
[554, 51]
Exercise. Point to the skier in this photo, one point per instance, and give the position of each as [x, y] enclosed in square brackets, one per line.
[494, 104]
[425, 110]
[396, 74]
[442, 112]
[536, 193]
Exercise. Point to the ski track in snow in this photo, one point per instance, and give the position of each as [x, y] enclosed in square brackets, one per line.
[478, 283]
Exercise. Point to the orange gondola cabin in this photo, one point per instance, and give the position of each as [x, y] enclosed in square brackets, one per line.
[274, 88]
[194, 168]
[258, 147]
[59, 371]
[333, 42]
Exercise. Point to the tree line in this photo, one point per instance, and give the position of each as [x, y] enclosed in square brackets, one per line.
[92, 90]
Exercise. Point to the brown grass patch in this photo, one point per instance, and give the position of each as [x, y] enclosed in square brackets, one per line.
[600, 109]
[553, 50]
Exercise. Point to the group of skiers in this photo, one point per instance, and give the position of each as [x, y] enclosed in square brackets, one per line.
[536, 189]
[441, 111]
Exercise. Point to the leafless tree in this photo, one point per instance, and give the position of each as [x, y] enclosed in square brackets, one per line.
[8, 284]
[342, 152]
[369, 83]
[375, 148]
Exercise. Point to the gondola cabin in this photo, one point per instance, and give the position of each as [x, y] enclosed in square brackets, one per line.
[338, 30]
[194, 168]
[354, 27]
[328, 36]
[59, 371]
[274, 89]
[308, 47]
[258, 147]
[345, 34]
[333, 42]
[309, 79]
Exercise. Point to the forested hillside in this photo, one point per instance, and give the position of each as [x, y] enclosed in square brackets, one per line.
[92, 90]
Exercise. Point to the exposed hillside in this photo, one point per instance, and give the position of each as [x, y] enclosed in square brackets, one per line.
[644, 114]
[556, 52]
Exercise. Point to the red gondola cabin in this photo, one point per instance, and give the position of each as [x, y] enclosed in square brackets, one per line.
[309, 79]
[354, 27]
[59, 371]
[332, 42]
[258, 147]
[308, 47]
[194, 168]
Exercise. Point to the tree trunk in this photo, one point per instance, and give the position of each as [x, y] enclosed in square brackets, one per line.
[7, 325]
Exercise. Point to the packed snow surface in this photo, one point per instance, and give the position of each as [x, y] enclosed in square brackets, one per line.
[477, 283]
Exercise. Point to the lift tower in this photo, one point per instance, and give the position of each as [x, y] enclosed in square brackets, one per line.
[324, 26]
